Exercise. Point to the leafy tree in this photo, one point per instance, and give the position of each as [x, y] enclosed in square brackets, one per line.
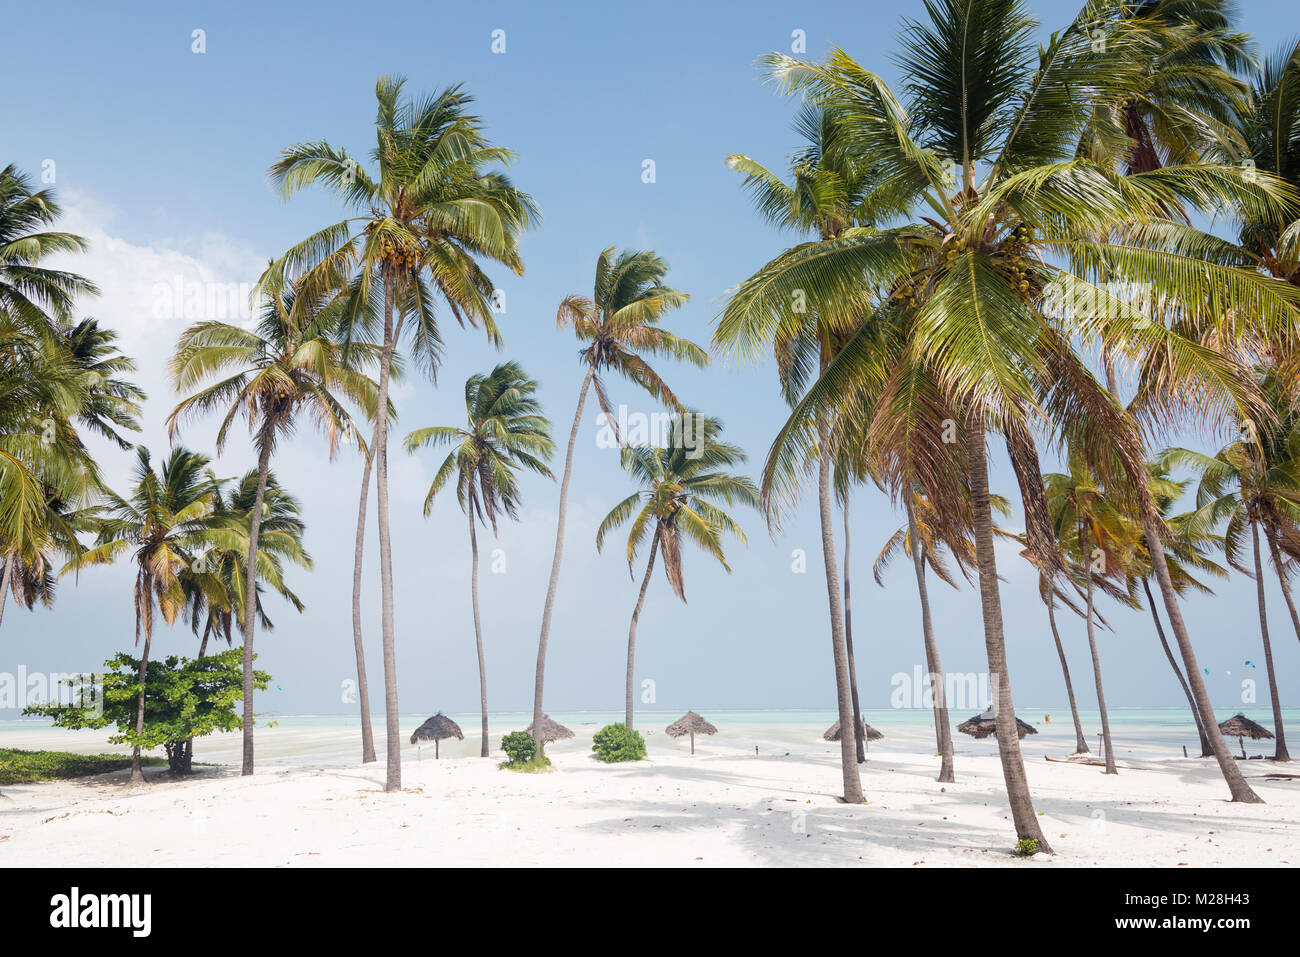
[183, 699]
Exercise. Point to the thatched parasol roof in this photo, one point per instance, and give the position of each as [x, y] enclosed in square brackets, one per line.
[690, 723]
[983, 725]
[1239, 726]
[551, 731]
[870, 733]
[438, 728]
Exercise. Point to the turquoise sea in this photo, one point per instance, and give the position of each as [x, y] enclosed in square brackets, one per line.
[295, 740]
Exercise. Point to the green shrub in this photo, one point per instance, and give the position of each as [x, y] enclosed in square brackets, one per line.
[534, 765]
[1026, 848]
[615, 742]
[520, 746]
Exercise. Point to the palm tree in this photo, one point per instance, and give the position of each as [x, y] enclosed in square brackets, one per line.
[167, 521]
[280, 540]
[1085, 519]
[619, 327]
[504, 431]
[971, 291]
[1251, 483]
[32, 295]
[830, 196]
[682, 486]
[288, 365]
[422, 222]
[1188, 542]
[922, 539]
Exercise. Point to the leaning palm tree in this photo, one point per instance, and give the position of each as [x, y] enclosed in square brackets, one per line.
[288, 366]
[1250, 484]
[619, 328]
[167, 521]
[505, 431]
[984, 156]
[830, 196]
[423, 220]
[683, 486]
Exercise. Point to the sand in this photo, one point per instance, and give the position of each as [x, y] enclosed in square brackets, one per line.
[722, 807]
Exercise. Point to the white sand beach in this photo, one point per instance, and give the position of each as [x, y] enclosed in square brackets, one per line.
[725, 806]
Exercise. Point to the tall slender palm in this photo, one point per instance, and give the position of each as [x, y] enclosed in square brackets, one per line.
[972, 292]
[923, 538]
[830, 196]
[1251, 483]
[288, 366]
[1085, 517]
[280, 540]
[682, 488]
[1188, 543]
[423, 221]
[505, 431]
[168, 520]
[619, 328]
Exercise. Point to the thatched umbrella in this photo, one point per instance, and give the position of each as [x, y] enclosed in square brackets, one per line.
[435, 729]
[983, 725]
[868, 732]
[1241, 728]
[692, 724]
[551, 731]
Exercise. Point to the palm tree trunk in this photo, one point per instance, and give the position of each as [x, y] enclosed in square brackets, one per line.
[250, 594]
[392, 730]
[858, 735]
[1080, 742]
[631, 631]
[942, 728]
[549, 607]
[839, 648]
[1237, 786]
[1178, 672]
[1096, 658]
[363, 687]
[5, 583]
[137, 769]
[1279, 736]
[187, 758]
[1013, 765]
[478, 628]
[1277, 566]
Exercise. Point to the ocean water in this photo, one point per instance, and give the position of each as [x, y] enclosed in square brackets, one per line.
[322, 740]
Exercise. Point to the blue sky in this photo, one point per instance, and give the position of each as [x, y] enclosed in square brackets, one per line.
[160, 157]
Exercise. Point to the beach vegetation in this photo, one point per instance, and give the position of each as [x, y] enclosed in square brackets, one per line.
[619, 327]
[617, 742]
[504, 432]
[184, 698]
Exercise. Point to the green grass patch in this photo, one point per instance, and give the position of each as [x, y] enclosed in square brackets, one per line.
[538, 764]
[26, 767]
